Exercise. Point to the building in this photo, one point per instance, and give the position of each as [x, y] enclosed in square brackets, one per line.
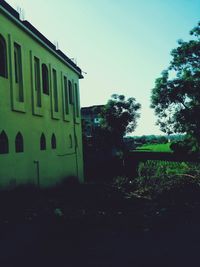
[40, 120]
[91, 119]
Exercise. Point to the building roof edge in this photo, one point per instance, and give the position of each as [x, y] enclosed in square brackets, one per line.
[39, 36]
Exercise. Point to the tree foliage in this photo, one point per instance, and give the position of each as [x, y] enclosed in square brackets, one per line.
[176, 95]
[188, 145]
[119, 116]
[151, 139]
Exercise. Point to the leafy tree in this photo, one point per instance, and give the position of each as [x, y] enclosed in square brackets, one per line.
[119, 117]
[176, 95]
[187, 146]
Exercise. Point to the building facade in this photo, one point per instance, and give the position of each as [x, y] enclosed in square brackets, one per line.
[91, 119]
[40, 120]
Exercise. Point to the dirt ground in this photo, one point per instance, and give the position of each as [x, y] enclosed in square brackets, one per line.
[96, 226]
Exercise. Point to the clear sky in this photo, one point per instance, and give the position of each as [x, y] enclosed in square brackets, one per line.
[122, 45]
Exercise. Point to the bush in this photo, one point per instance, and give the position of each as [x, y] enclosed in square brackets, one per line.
[187, 146]
[157, 177]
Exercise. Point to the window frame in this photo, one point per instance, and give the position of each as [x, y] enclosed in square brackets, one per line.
[18, 92]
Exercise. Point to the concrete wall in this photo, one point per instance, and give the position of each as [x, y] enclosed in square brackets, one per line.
[32, 120]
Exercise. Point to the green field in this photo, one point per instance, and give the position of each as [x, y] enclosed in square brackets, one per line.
[155, 148]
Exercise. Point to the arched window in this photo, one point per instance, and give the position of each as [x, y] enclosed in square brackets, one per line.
[4, 147]
[53, 141]
[3, 57]
[42, 142]
[19, 143]
[45, 79]
[70, 92]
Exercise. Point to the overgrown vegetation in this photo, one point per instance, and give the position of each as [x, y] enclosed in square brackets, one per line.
[156, 178]
[118, 117]
[188, 145]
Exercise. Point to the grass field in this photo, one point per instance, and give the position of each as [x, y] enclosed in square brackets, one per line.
[155, 148]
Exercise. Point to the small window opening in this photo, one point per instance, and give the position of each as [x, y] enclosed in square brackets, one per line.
[77, 101]
[66, 96]
[19, 143]
[4, 147]
[55, 91]
[70, 93]
[70, 141]
[3, 58]
[18, 63]
[45, 79]
[18, 72]
[37, 81]
[53, 141]
[42, 142]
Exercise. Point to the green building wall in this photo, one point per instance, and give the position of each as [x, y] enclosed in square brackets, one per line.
[33, 165]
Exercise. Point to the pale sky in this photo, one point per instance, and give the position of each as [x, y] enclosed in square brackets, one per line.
[122, 45]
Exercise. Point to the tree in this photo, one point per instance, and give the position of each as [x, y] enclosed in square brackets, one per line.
[119, 117]
[176, 95]
[188, 146]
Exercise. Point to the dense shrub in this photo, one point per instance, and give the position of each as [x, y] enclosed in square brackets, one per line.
[156, 177]
[187, 146]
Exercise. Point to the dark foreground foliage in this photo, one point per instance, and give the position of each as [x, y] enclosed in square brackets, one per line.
[110, 224]
[156, 178]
